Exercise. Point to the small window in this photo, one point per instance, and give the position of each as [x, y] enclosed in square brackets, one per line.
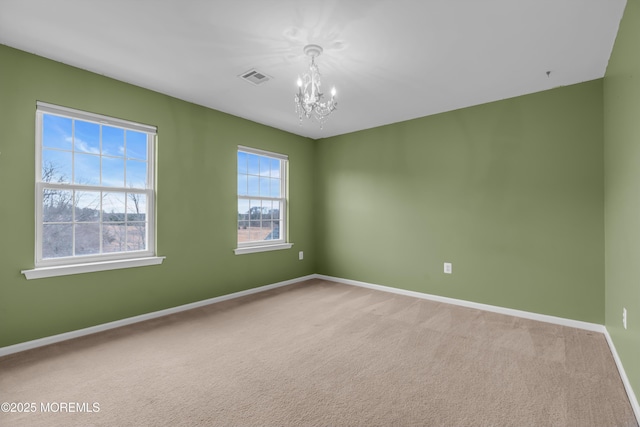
[95, 197]
[262, 201]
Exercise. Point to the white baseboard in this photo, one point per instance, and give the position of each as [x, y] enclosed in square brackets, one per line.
[16, 348]
[485, 307]
[623, 375]
[511, 312]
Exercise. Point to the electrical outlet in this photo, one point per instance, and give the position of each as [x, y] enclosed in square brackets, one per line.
[624, 317]
[448, 268]
[300, 255]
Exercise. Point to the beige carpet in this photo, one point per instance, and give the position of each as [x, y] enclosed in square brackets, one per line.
[322, 354]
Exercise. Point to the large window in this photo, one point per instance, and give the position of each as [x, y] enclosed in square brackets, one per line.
[95, 193]
[262, 200]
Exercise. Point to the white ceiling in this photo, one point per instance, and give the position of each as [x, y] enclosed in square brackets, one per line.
[390, 60]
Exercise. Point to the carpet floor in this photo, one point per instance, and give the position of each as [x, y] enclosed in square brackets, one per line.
[321, 354]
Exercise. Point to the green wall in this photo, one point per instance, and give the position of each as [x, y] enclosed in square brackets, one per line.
[510, 192]
[196, 204]
[622, 192]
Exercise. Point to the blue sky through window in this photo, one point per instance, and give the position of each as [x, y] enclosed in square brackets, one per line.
[90, 153]
[258, 175]
[86, 137]
[57, 132]
[112, 141]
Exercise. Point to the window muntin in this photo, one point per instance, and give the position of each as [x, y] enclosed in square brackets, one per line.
[261, 198]
[94, 187]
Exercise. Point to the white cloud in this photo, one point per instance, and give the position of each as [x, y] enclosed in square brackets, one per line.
[81, 145]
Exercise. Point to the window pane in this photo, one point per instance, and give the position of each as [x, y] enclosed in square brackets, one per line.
[254, 186]
[57, 205]
[56, 166]
[113, 207]
[136, 174]
[254, 233]
[86, 169]
[57, 240]
[253, 161]
[56, 132]
[266, 209]
[113, 237]
[274, 185]
[136, 236]
[264, 187]
[275, 168]
[263, 231]
[265, 166]
[136, 207]
[243, 231]
[136, 145]
[87, 206]
[112, 141]
[255, 212]
[267, 228]
[277, 210]
[243, 209]
[113, 172]
[87, 238]
[242, 162]
[87, 137]
[243, 183]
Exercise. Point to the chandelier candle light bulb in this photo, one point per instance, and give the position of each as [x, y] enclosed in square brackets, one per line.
[308, 100]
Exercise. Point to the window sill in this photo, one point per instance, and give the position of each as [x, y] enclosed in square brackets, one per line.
[65, 270]
[265, 248]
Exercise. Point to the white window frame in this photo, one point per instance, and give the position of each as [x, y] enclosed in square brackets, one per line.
[282, 242]
[49, 267]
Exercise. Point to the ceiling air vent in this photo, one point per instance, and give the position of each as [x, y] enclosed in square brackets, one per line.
[255, 77]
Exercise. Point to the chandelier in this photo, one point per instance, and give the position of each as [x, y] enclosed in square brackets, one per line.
[309, 99]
